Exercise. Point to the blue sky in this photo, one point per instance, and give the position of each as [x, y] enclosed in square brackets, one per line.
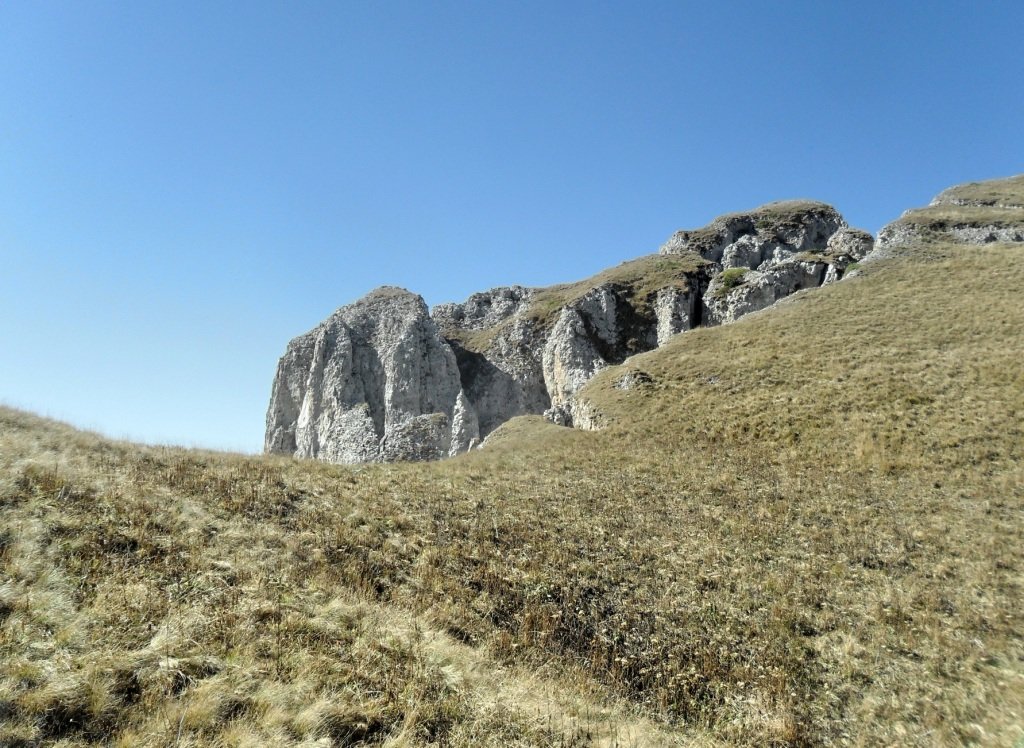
[185, 186]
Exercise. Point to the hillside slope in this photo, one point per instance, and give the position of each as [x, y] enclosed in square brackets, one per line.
[803, 528]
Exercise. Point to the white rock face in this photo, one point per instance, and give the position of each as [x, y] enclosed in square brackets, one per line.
[506, 379]
[760, 289]
[571, 355]
[768, 234]
[375, 381]
[465, 426]
[853, 244]
[784, 247]
[380, 380]
[482, 310]
[599, 329]
[677, 310]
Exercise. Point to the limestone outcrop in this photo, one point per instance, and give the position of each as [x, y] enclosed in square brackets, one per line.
[375, 381]
[599, 329]
[770, 233]
[730, 296]
[382, 379]
[769, 253]
[498, 349]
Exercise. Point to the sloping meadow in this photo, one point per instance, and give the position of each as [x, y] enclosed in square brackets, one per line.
[801, 528]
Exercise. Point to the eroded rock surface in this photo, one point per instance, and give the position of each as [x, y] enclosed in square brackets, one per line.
[375, 381]
[766, 235]
[498, 354]
[383, 380]
[769, 253]
[590, 333]
[758, 289]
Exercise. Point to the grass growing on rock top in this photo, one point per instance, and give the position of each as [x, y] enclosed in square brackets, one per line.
[641, 279]
[805, 530]
[1007, 192]
[998, 203]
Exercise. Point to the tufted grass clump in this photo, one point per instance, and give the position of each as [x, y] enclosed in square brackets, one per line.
[732, 277]
[729, 279]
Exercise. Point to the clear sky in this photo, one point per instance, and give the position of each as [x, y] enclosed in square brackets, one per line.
[185, 186]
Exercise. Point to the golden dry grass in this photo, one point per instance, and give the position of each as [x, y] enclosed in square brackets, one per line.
[805, 529]
[997, 203]
[1004, 192]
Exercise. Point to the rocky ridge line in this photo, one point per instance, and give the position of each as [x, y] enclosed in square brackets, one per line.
[969, 214]
[383, 380]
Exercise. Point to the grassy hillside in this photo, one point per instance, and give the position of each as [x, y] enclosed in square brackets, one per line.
[804, 528]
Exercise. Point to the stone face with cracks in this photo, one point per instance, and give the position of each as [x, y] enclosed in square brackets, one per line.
[766, 235]
[382, 380]
[375, 381]
[503, 377]
[760, 289]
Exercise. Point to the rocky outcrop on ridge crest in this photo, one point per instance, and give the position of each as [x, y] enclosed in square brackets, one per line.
[769, 253]
[375, 381]
[382, 380]
[973, 213]
[768, 233]
[742, 289]
[483, 310]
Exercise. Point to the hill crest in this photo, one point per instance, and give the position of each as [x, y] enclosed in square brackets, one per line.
[521, 351]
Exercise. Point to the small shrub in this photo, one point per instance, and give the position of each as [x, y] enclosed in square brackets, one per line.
[732, 277]
[728, 280]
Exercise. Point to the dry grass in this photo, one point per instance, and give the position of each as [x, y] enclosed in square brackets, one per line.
[940, 217]
[998, 203]
[1007, 192]
[166, 597]
[806, 529]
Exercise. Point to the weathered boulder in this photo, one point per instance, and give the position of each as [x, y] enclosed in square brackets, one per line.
[849, 244]
[375, 381]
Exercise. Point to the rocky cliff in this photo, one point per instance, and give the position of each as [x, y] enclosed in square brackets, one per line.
[382, 379]
[373, 382]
